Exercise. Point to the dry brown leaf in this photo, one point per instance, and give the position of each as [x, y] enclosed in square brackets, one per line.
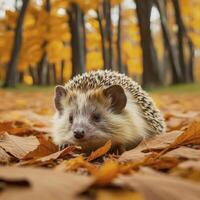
[178, 114]
[45, 148]
[44, 184]
[185, 152]
[18, 128]
[161, 163]
[189, 169]
[190, 164]
[190, 174]
[190, 136]
[153, 185]
[6, 182]
[129, 167]
[100, 152]
[4, 157]
[106, 173]
[155, 144]
[76, 163]
[18, 146]
[117, 194]
[176, 123]
[51, 157]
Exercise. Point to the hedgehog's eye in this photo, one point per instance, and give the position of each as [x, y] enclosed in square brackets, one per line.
[71, 118]
[96, 117]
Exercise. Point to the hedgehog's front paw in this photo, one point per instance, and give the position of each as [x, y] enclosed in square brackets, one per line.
[62, 146]
[118, 149]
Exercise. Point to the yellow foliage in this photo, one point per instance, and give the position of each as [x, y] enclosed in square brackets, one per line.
[11, 18]
[48, 32]
[29, 20]
[60, 4]
[94, 60]
[195, 38]
[67, 70]
[135, 66]
[116, 2]
[28, 80]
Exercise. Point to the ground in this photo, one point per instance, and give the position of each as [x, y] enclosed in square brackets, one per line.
[174, 157]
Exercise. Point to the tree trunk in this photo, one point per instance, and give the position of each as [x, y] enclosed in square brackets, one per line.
[119, 46]
[11, 72]
[84, 35]
[42, 67]
[175, 68]
[62, 72]
[151, 71]
[32, 73]
[77, 39]
[102, 33]
[187, 68]
[108, 33]
[54, 74]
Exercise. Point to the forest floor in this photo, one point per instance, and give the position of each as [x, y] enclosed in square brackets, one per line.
[165, 167]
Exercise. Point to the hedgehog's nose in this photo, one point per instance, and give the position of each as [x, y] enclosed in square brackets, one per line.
[79, 133]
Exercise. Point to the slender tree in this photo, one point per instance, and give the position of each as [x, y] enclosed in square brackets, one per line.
[108, 32]
[11, 72]
[151, 70]
[175, 68]
[42, 70]
[119, 46]
[187, 68]
[105, 55]
[76, 24]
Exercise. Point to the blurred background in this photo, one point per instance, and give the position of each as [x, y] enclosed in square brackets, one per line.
[46, 42]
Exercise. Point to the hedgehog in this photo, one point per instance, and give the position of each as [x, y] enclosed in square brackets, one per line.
[103, 105]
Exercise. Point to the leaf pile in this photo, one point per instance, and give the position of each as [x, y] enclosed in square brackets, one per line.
[164, 167]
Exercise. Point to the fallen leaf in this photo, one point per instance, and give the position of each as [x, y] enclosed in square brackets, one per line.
[191, 164]
[44, 184]
[178, 114]
[157, 143]
[154, 185]
[184, 152]
[100, 152]
[45, 148]
[6, 182]
[76, 163]
[190, 136]
[190, 174]
[161, 163]
[106, 173]
[118, 194]
[17, 146]
[4, 157]
[51, 157]
[18, 128]
[176, 123]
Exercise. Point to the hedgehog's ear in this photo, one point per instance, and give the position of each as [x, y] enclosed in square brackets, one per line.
[60, 94]
[118, 97]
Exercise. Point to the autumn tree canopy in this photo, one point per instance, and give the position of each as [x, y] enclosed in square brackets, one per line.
[46, 42]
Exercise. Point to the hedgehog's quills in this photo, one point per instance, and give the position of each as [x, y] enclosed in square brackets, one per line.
[102, 105]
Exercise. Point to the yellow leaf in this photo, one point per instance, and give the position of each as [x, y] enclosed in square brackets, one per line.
[106, 173]
[100, 152]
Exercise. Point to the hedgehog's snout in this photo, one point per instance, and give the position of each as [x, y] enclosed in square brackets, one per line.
[79, 133]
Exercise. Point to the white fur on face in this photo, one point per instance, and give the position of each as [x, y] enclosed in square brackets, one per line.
[81, 109]
[125, 128]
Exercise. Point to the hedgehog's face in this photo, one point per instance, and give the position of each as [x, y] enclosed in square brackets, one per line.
[87, 119]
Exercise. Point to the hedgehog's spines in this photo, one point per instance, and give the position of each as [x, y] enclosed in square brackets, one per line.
[104, 78]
